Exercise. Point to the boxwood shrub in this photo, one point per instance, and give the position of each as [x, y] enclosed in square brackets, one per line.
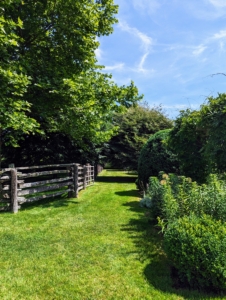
[196, 246]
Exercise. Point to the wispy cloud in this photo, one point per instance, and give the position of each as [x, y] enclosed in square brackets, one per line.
[205, 9]
[199, 50]
[219, 38]
[146, 42]
[146, 6]
[218, 3]
[141, 64]
[215, 41]
[145, 39]
[219, 35]
[119, 66]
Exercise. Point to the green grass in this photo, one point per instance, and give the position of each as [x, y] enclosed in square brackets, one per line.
[99, 246]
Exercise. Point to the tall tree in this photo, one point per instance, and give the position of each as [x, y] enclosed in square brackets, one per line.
[53, 54]
[14, 110]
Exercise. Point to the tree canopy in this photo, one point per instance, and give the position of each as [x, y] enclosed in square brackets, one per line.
[49, 72]
[51, 148]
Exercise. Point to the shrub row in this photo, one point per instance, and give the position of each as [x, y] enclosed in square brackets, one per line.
[193, 219]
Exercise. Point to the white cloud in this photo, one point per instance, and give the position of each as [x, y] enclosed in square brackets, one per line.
[219, 35]
[119, 66]
[146, 6]
[145, 39]
[141, 64]
[199, 50]
[146, 43]
[218, 3]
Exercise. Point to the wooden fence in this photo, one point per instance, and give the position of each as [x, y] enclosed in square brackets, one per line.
[29, 184]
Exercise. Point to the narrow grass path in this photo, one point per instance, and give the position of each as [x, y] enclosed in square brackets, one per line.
[99, 246]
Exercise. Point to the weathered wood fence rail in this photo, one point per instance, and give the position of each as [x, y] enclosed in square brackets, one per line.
[29, 184]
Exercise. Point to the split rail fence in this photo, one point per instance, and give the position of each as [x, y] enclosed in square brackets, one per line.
[29, 184]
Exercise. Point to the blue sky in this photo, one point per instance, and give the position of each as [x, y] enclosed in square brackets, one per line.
[170, 49]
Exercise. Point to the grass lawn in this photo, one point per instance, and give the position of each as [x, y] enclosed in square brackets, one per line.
[99, 246]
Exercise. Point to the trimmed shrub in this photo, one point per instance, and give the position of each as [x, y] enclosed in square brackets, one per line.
[196, 246]
[155, 157]
[155, 192]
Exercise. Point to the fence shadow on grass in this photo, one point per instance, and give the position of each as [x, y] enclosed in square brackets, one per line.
[148, 240]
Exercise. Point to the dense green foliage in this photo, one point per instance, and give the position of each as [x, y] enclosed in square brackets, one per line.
[187, 142]
[197, 248]
[213, 125]
[155, 157]
[198, 139]
[14, 116]
[134, 128]
[48, 72]
[155, 193]
[192, 218]
[177, 196]
[52, 148]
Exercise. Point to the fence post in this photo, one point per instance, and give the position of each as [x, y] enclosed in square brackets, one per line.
[75, 180]
[14, 203]
[91, 170]
[70, 193]
[84, 176]
[88, 174]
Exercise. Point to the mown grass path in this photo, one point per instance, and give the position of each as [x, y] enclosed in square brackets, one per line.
[99, 246]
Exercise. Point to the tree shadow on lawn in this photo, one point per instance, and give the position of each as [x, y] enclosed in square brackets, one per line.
[56, 202]
[130, 193]
[148, 240]
[116, 179]
[134, 206]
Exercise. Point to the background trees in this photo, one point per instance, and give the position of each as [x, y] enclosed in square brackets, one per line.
[155, 157]
[134, 128]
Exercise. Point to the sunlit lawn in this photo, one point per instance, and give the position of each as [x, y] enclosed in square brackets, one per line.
[99, 246]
